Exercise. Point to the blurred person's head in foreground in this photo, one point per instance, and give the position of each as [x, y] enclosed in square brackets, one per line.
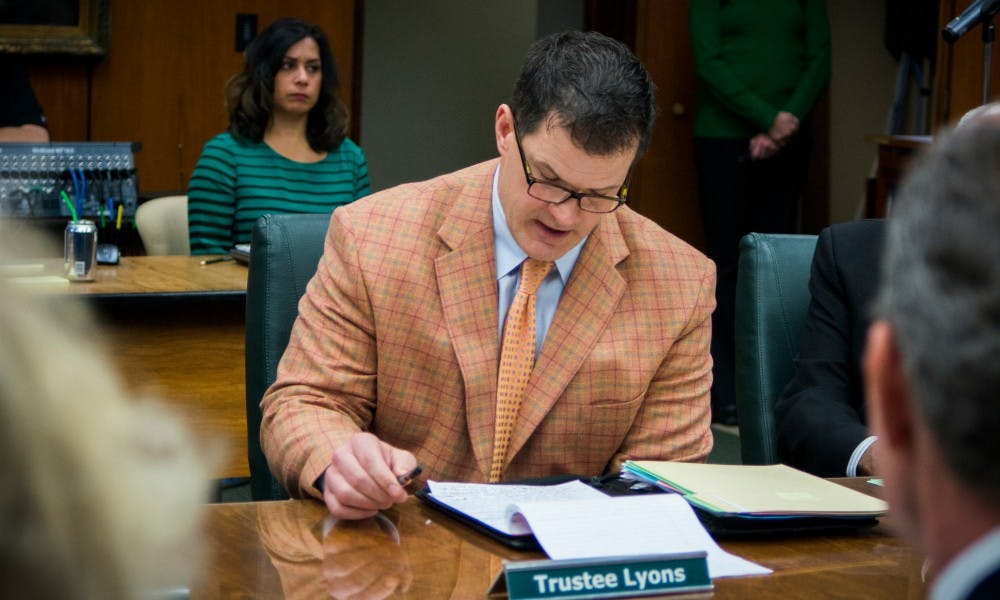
[103, 491]
[933, 359]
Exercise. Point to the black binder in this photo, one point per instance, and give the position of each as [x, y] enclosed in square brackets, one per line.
[719, 527]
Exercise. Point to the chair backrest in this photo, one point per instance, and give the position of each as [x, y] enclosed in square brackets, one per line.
[163, 225]
[772, 298]
[284, 253]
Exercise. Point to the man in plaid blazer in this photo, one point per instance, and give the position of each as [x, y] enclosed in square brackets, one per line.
[394, 356]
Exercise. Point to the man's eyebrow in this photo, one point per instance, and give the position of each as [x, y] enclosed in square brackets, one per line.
[542, 167]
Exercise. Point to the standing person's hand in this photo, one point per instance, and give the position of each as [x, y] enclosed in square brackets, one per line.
[762, 147]
[784, 127]
[362, 477]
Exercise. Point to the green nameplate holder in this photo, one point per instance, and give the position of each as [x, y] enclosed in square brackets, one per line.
[609, 577]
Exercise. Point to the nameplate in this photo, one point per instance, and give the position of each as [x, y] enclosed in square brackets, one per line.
[608, 577]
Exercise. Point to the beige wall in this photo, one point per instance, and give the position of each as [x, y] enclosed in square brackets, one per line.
[417, 124]
[432, 78]
[861, 94]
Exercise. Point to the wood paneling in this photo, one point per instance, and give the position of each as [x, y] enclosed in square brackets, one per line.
[162, 82]
[63, 89]
[958, 85]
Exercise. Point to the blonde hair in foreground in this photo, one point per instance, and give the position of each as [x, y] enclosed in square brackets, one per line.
[102, 492]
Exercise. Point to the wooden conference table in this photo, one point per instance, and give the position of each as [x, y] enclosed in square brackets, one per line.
[176, 328]
[281, 549]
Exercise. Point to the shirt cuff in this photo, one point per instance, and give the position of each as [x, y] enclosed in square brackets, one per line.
[852, 465]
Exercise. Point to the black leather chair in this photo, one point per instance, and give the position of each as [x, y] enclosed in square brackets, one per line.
[285, 252]
[772, 298]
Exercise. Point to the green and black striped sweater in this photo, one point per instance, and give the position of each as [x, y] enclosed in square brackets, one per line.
[233, 184]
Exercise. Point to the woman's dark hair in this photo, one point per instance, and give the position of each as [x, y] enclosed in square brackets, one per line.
[250, 94]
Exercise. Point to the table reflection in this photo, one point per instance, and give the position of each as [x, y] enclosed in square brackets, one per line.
[397, 554]
[363, 559]
[293, 549]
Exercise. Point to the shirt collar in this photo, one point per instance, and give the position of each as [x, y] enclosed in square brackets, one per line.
[969, 568]
[509, 255]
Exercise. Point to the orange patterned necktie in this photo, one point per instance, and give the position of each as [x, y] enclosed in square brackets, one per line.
[516, 359]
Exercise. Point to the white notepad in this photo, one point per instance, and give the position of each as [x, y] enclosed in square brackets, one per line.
[573, 520]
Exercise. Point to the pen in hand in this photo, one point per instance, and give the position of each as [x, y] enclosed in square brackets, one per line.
[212, 261]
[406, 478]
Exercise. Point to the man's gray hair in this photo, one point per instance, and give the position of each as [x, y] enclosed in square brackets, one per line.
[940, 290]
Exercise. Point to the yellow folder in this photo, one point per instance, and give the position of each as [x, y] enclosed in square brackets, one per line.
[771, 490]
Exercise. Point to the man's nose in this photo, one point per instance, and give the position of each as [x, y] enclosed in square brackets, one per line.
[565, 213]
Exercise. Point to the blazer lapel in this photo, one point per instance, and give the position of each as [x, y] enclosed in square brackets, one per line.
[588, 302]
[466, 277]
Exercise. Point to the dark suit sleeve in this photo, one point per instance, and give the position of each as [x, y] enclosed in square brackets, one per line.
[820, 415]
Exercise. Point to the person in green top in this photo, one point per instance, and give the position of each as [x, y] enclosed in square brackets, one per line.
[761, 65]
[286, 149]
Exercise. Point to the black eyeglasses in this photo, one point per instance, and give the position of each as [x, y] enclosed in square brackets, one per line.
[556, 194]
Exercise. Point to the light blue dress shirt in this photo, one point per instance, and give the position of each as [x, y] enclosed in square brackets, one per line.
[509, 257]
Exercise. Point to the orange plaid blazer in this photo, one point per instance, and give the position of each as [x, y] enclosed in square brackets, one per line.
[397, 335]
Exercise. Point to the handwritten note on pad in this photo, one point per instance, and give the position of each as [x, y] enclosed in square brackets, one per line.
[488, 503]
[573, 520]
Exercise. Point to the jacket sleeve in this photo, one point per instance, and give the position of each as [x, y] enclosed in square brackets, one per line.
[325, 386]
[817, 418]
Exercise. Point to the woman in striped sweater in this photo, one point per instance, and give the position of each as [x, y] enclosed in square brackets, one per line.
[286, 149]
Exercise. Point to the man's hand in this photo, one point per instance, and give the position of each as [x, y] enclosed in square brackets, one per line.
[784, 127]
[868, 465]
[361, 478]
[762, 147]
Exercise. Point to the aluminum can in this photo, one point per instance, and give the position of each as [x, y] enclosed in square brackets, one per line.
[80, 250]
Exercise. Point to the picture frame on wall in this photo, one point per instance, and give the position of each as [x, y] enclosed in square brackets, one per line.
[76, 27]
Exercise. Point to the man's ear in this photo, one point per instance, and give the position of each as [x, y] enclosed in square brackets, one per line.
[503, 126]
[890, 409]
